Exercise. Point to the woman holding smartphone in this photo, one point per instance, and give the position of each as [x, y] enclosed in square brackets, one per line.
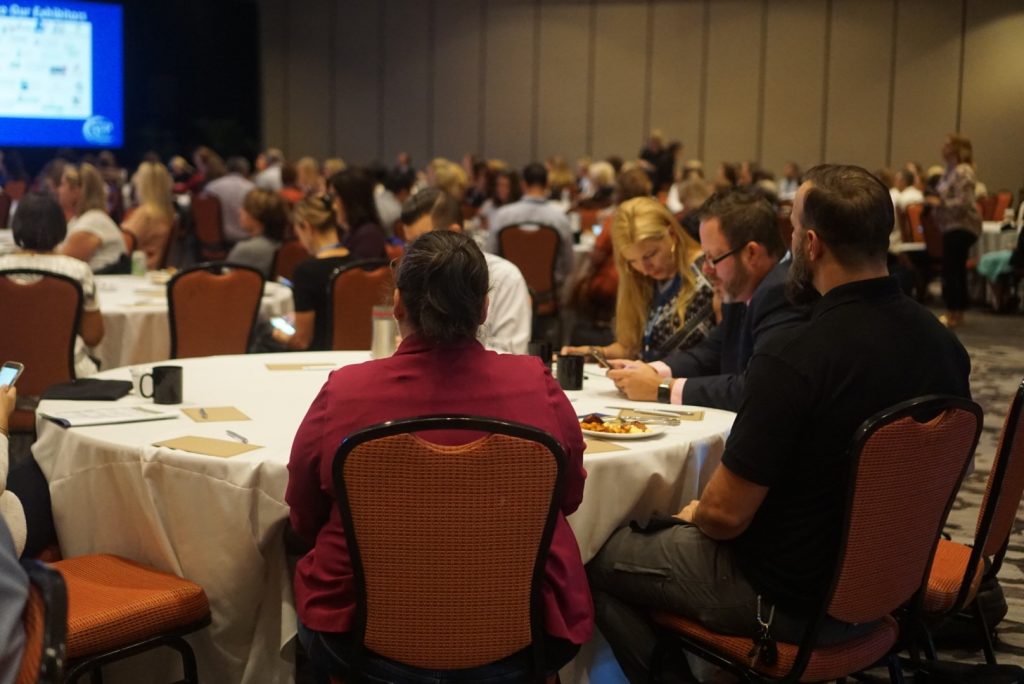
[661, 292]
[317, 229]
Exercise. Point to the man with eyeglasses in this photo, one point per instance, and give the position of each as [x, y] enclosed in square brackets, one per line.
[756, 555]
[744, 261]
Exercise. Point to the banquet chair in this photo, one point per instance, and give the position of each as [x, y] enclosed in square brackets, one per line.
[5, 209]
[987, 208]
[448, 558]
[1004, 198]
[131, 241]
[212, 309]
[534, 250]
[174, 236]
[45, 622]
[290, 254]
[118, 608]
[352, 292]
[46, 310]
[906, 464]
[208, 225]
[958, 569]
[914, 213]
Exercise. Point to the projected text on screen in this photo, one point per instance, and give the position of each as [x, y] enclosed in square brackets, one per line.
[47, 67]
[61, 74]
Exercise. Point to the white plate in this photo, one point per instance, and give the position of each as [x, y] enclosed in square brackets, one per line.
[652, 431]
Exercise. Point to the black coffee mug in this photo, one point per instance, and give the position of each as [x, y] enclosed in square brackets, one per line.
[570, 371]
[543, 350]
[166, 381]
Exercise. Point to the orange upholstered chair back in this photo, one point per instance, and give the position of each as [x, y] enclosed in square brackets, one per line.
[1005, 484]
[41, 313]
[448, 543]
[534, 249]
[290, 254]
[354, 290]
[905, 474]
[212, 309]
[208, 225]
[1003, 200]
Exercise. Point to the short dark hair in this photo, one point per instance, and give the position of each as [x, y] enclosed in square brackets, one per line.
[419, 205]
[444, 209]
[851, 210]
[746, 216]
[443, 283]
[354, 187]
[907, 175]
[39, 223]
[535, 175]
[239, 165]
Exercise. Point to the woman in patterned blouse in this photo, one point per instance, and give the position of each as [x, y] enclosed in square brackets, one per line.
[958, 218]
[664, 302]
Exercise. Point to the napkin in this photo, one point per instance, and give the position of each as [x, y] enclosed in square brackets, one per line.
[207, 446]
[599, 446]
[215, 414]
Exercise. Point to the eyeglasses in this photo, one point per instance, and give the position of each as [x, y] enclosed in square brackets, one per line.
[708, 261]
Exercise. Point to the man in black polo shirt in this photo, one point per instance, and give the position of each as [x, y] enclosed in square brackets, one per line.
[768, 524]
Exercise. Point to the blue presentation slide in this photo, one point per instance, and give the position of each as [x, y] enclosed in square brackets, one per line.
[61, 75]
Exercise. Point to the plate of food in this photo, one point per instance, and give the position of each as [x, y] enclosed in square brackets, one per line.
[609, 427]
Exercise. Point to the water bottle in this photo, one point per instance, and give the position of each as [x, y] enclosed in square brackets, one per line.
[385, 332]
[138, 263]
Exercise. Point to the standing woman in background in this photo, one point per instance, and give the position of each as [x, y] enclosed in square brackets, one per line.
[957, 217]
[356, 213]
[93, 237]
[151, 221]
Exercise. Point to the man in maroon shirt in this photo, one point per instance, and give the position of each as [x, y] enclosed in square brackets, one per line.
[439, 368]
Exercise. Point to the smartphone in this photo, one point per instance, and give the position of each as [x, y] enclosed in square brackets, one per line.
[283, 325]
[9, 373]
[599, 357]
[284, 281]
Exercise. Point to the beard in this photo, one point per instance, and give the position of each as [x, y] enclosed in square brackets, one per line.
[741, 277]
[800, 281]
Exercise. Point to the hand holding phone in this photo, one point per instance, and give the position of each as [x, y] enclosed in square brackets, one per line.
[10, 372]
[282, 324]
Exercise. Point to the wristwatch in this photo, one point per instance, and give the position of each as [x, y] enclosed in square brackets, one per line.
[665, 391]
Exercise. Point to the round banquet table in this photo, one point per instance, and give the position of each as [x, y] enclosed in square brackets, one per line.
[219, 521]
[135, 323]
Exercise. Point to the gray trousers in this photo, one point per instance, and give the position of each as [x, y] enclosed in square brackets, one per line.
[681, 571]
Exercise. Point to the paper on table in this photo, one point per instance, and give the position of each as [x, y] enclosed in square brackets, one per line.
[215, 414]
[300, 366]
[107, 415]
[597, 446]
[207, 446]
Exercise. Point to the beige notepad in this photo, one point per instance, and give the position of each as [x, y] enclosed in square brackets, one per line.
[599, 446]
[214, 414]
[300, 366]
[208, 446]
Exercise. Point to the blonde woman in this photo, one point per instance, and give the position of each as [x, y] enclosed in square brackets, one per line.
[309, 179]
[664, 302]
[316, 227]
[93, 237]
[448, 177]
[151, 221]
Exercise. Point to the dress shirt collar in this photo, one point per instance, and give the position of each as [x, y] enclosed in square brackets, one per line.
[859, 290]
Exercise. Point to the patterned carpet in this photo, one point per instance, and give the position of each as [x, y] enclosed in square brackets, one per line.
[997, 369]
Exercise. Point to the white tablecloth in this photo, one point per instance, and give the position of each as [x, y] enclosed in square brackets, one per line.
[219, 521]
[994, 238]
[135, 323]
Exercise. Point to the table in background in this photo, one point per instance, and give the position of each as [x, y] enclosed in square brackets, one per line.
[219, 521]
[993, 238]
[135, 323]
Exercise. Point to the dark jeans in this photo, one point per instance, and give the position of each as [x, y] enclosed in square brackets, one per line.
[328, 654]
[956, 243]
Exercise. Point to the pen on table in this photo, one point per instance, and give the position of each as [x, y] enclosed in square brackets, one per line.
[235, 435]
[202, 413]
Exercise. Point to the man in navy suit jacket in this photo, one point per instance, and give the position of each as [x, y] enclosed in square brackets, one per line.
[746, 262]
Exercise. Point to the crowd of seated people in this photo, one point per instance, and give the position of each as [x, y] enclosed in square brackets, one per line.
[692, 291]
